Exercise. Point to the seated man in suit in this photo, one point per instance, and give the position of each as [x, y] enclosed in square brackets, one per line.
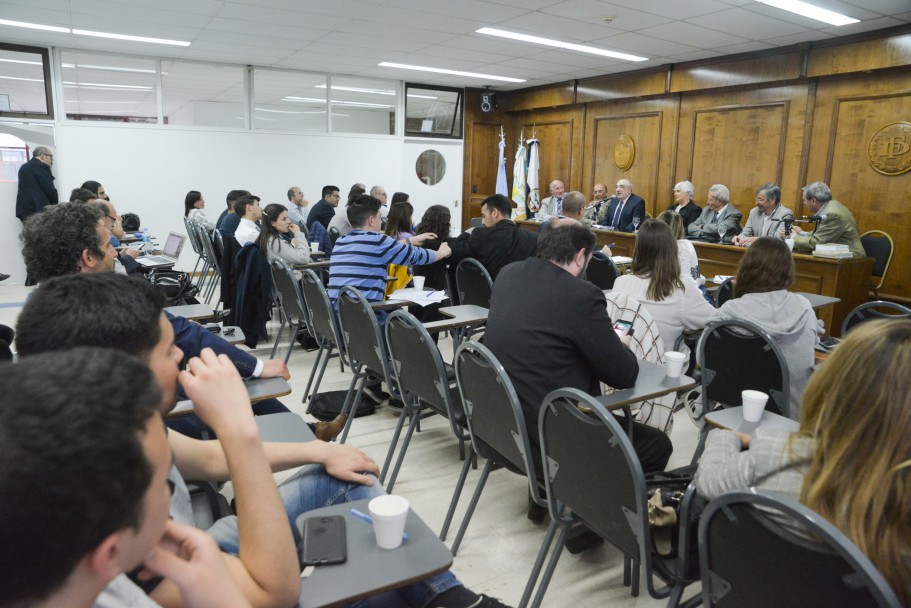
[594, 208]
[573, 208]
[625, 209]
[498, 242]
[837, 226]
[719, 218]
[553, 204]
[765, 218]
[113, 482]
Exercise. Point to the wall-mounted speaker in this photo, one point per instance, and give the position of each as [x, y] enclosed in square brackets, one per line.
[488, 102]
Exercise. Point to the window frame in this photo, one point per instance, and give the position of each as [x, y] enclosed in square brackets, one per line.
[460, 105]
[45, 54]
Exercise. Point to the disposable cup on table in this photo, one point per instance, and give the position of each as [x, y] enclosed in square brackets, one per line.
[418, 282]
[314, 247]
[389, 513]
[753, 404]
[674, 361]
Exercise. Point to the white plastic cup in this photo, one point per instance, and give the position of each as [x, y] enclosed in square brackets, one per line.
[675, 362]
[314, 247]
[389, 513]
[418, 282]
[753, 405]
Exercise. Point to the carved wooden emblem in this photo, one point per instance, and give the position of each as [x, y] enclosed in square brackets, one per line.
[889, 150]
[624, 152]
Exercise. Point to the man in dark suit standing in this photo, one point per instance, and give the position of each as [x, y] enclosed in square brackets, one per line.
[625, 210]
[36, 184]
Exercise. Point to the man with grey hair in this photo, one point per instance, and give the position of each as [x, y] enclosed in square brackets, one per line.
[599, 193]
[379, 193]
[552, 206]
[573, 208]
[36, 184]
[836, 224]
[625, 210]
[297, 207]
[720, 220]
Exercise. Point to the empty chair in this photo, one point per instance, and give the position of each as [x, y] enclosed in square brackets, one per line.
[364, 347]
[323, 325]
[425, 383]
[291, 298]
[602, 271]
[473, 283]
[593, 476]
[879, 309]
[193, 235]
[496, 425]
[751, 554]
[879, 246]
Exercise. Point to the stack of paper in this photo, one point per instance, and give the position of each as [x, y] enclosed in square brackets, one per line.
[621, 260]
[832, 251]
[421, 297]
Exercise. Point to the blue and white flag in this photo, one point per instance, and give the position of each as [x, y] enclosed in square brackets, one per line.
[502, 188]
[518, 181]
[534, 196]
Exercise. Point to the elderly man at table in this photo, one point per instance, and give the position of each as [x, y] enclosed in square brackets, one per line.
[594, 208]
[573, 208]
[550, 329]
[496, 243]
[764, 219]
[67, 312]
[552, 206]
[624, 209]
[719, 214]
[82, 245]
[837, 224]
[100, 505]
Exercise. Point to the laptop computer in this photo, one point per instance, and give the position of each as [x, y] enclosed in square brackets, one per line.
[169, 254]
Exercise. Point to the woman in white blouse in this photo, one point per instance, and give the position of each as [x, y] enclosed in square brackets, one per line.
[276, 227]
[655, 281]
[193, 206]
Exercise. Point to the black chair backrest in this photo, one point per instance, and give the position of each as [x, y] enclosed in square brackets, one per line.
[725, 292]
[334, 234]
[602, 271]
[751, 556]
[878, 246]
[193, 235]
[495, 419]
[361, 330]
[418, 365]
[292, 298]
[591, 468]
[738, 355]
[879, 309]
[321, 317]
[473, 283]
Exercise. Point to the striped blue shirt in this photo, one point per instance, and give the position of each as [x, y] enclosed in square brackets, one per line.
[360, 259]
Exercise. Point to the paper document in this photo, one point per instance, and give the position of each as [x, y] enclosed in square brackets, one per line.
[421, 297]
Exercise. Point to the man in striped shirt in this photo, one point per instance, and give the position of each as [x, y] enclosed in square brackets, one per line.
[361, 257]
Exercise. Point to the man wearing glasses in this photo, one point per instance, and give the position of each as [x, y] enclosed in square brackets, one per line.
[36, 184]
[324, 211]
[379, 193]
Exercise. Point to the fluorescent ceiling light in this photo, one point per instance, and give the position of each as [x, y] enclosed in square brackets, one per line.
[131, 38]
[108, 68]
[813, 12]
[20, 61]
[374, 91]
[581, 48]
[35, 26]
[403, 66]
[25, 79]
[135, 87]
[338, 102]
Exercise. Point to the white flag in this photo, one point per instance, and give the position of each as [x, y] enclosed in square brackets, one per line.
[534, 197]
[518, 182]
[502, 188]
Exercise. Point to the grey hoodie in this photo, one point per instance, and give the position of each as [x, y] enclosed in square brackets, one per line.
[789, 319]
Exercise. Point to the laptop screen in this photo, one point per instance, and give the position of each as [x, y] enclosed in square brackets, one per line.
[173, 245]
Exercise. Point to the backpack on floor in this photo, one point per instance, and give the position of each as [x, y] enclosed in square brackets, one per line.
[327, 406]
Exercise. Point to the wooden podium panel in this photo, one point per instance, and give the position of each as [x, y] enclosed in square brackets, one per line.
[847, 279]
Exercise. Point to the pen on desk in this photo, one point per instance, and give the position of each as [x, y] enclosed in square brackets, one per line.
[430, 293]
[611, 245]
[369, 520]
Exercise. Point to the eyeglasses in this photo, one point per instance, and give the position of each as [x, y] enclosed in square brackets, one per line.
[112, 218]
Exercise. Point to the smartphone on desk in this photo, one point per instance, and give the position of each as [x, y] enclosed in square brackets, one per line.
[324, 541]
[623, 328]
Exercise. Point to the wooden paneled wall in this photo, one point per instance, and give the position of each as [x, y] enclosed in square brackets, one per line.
[790, 116]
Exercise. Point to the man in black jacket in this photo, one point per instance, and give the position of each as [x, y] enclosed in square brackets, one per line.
[324, 210]
[36, 184]
[498, 242]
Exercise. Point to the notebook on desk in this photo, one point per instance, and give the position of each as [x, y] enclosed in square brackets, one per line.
[169, 254]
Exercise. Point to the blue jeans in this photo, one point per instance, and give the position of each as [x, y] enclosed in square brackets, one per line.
[312, 488]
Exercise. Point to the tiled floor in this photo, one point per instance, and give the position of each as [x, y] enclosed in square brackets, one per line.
[500, 544]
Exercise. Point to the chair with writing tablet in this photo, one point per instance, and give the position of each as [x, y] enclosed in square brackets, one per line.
[323, 327]
[879, 309]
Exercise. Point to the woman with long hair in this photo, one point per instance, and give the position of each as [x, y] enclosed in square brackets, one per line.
[193, 206]
[399, 224]
[761, 296]
[683, 203]
[655, 281]
[276, 227]
[686, 253]
[850, 460]
[436, 220]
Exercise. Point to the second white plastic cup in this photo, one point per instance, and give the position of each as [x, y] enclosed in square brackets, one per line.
[675, 362]
[389, 514]
[418, 282]
[314, 247]
[753, 405]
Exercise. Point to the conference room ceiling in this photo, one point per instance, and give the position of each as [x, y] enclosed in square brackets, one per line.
[353, 36]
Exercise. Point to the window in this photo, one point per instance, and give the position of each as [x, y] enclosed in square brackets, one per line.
[110, 88]
[24, 82]
[289, 101]
[363, 106]
[13, 154]
[433, 111]
[203, 95]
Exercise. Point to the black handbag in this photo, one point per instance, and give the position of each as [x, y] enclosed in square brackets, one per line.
[174, 284]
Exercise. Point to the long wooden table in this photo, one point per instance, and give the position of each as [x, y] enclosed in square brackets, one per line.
[848, 279]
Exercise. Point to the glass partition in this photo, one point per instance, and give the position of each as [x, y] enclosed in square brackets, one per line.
[289, 101]
[109, 88]
[202, 95]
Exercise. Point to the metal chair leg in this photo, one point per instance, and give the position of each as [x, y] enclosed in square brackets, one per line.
[474, 502]
[457, 493]
[551, 566]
